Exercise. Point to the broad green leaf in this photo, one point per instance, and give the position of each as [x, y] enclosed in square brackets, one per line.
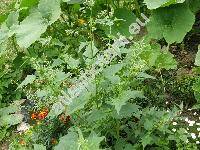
[145, 75]
[166, 61]
[3, 34]
[93, 142]
[194, 5]
[147, 139]
[79, 103]
[73, 63]
[56, 109]
[96, 115]
[39, 147]
[124, 97]
[68, 142]
[60, 76]
[112, 70]
[8, 110]
[7, 28]
[129, 110]
[9, 120]
[50, 9]
[28, 80]
[12, 19]
[153, 4]
[171, 23]
[28, 3]
[197, 59]
[90, 50]
[125, 19]
[30, 29]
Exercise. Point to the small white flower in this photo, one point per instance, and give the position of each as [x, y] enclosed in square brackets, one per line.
[167, 110]
[174, 123]
[199, 134]
[189, 109]
[198, 124]
[188, 129]
[195, 113]
[191, 123]
[198, 129]
[193, 135]
[197, 142]
[186, 119]
[166, 102]
[174, 130]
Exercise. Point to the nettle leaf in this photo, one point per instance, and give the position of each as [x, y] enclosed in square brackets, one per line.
[110, 71]
[124, 97]
[93, 141]
[161, 59]
[159, 3]
[39, 147]
[75, 141]
[129, 110]
[90, 50]
[50, 9]
[171, 23]
[165, 60]
[147, 139]
[28, 80]
[30, 29]
[79, 103]
[197, 59]
[56, 109]
[96, 115]
[69, 142]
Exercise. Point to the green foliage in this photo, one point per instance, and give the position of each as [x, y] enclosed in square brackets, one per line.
[160, 3]
[171, 23]
[55, 55]
[74, 140]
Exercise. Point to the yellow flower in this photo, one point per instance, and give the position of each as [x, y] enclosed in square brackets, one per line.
[81, 21]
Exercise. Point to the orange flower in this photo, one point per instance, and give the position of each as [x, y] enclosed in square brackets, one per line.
[64, 119]
[42, 115]
[22, 142]
[33, 116]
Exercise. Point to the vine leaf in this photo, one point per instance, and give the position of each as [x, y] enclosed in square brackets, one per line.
[124, 97]
[171, 23]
